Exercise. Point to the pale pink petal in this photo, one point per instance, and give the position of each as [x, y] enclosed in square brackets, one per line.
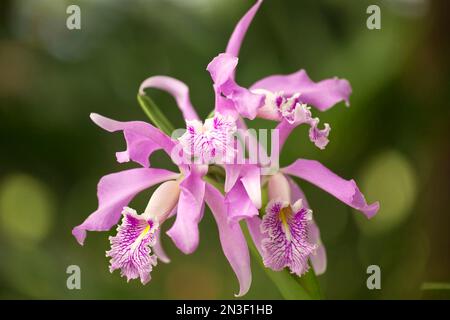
[235, 42]
[319, 258]
[279, 188]
[222, 70]
[239, 205]
[345, 190]
[297, 193]
[322, 95]
[158, 248]
[318, 136]
[251, 179]
[286, 242]
[141, 137]
[232, 240]
[250, 176]
[184, 231]
[223, 105]
[232, 173]
[252, 141]
[254, 228]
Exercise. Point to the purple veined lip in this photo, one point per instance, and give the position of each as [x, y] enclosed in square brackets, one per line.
[287, 244]
[131, 246]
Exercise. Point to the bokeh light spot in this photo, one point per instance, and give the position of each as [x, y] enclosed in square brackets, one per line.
[26, 208]
[390, 179]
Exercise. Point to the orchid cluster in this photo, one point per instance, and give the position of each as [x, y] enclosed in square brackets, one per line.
[282, 228]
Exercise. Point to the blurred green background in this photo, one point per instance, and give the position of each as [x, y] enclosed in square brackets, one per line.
[393, 139]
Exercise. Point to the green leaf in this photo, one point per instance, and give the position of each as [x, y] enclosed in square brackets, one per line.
[154, 113]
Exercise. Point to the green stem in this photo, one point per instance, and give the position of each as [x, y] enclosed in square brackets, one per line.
[154, 113]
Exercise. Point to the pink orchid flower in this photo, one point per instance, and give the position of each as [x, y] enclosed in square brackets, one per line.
[182, 194]
[286, 236]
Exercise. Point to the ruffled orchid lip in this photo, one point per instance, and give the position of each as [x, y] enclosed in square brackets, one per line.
[286, 243]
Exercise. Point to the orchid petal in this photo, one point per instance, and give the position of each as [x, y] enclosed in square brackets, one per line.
[252, 141]
[322, 95]
[319, 259]
[234, 44]
[114, 192]
[139, 149]
[254, 228]
[251, 179]
[345, 190]
[223, 105]
[297, 193]
[238, 203]
[184, 231]
[232, 240]
[232, 172]
[245, 102]
[158, 248]
[141, 137]
[222, 70]
[177, 89]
